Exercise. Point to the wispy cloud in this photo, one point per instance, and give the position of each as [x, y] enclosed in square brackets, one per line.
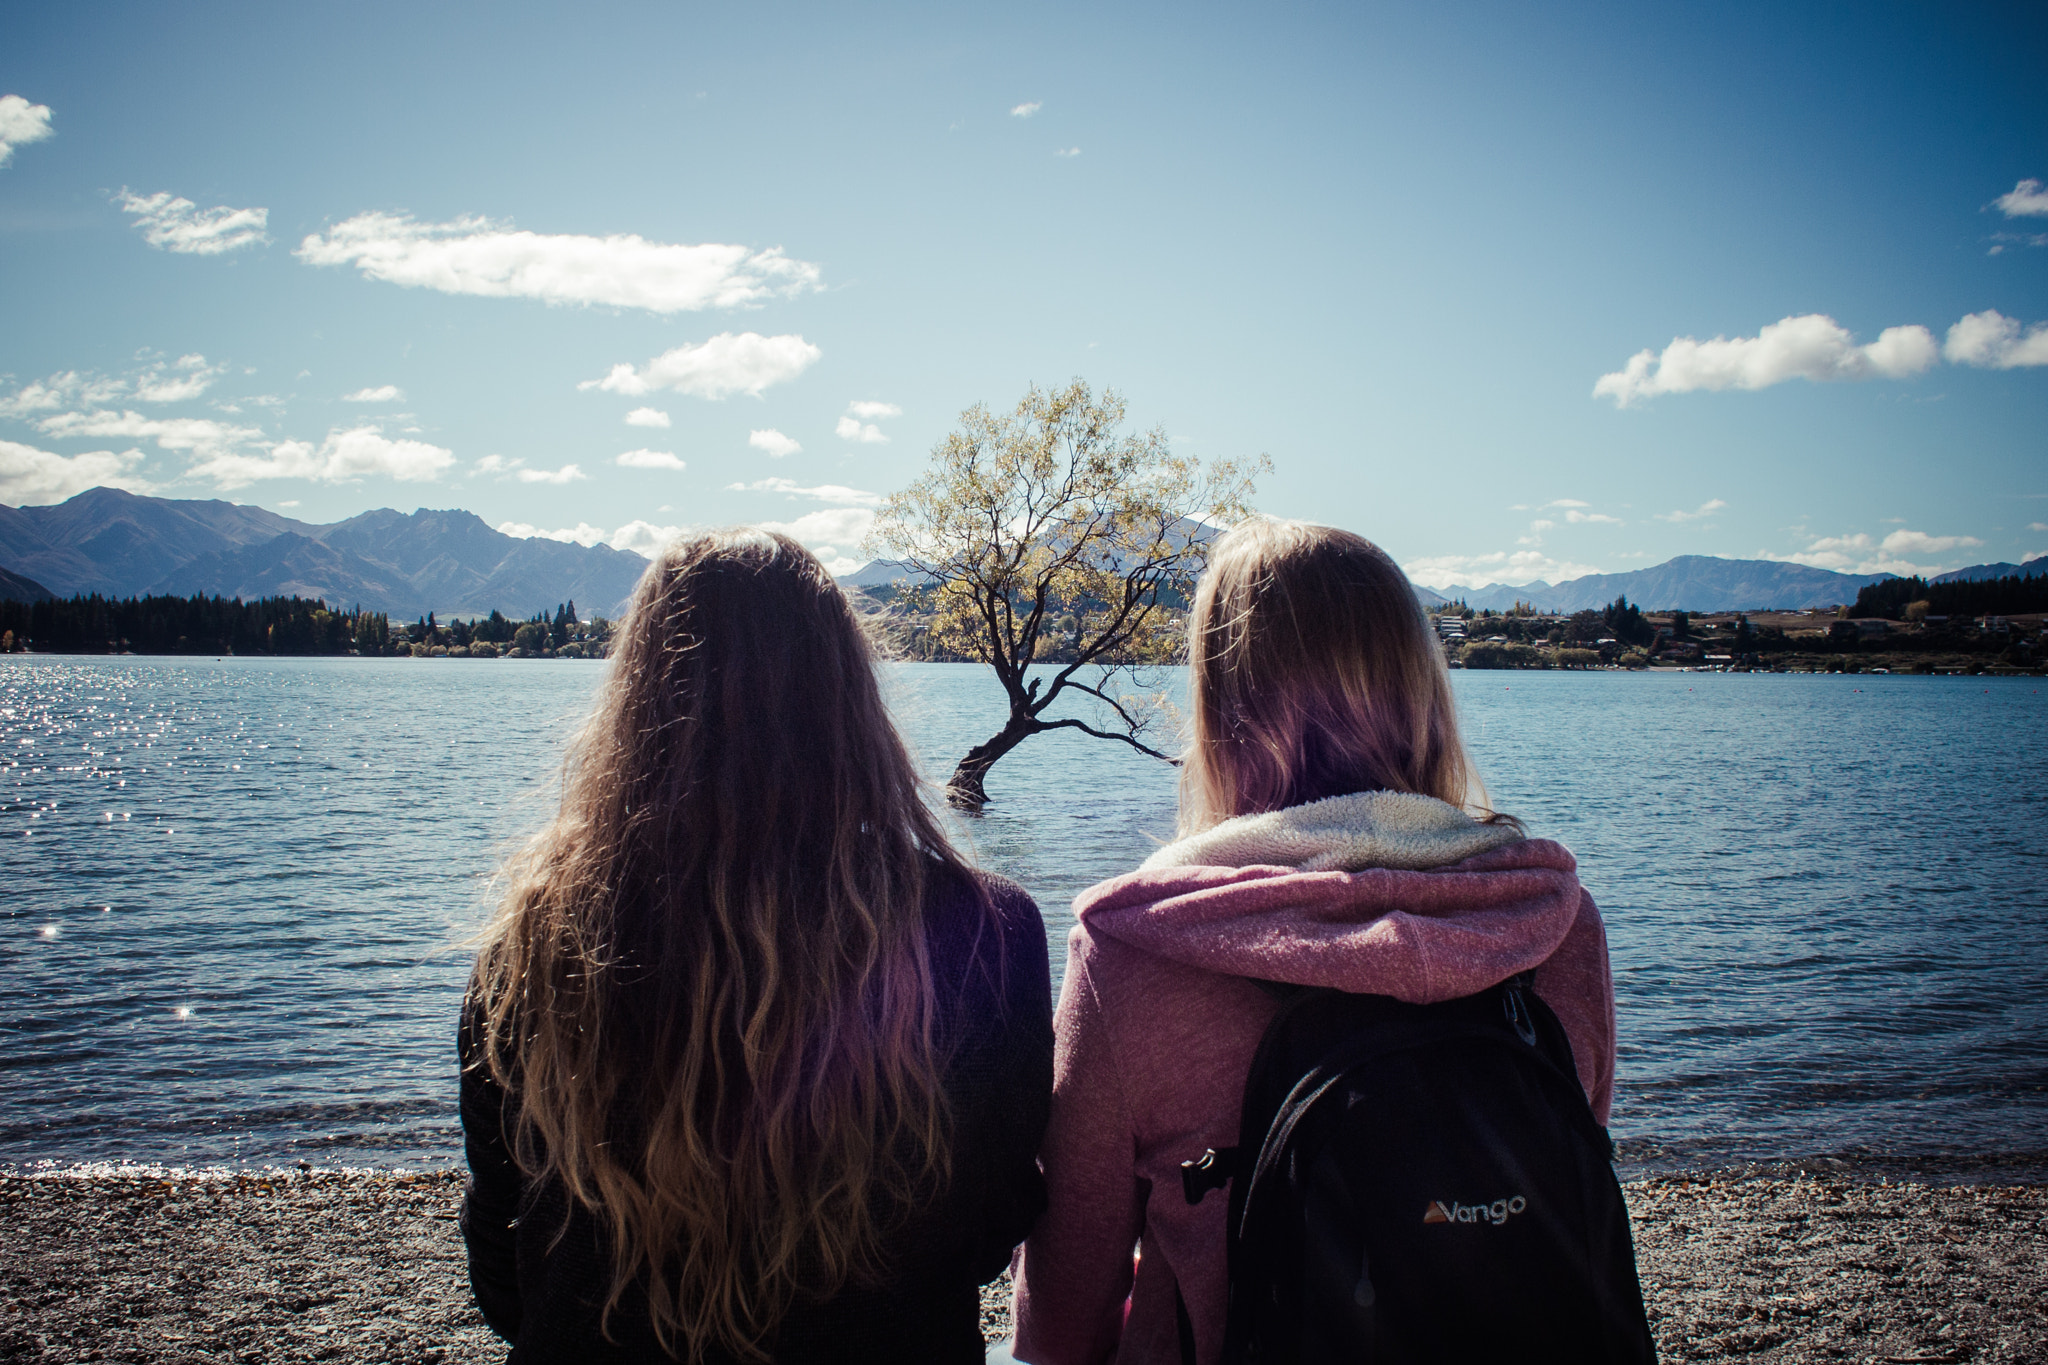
[1705, 509]
[478, 256]
[640, 537]
[1812, 346]
[201, 436]
[20, 124]
[647, 417]
[1575, 513]
[833, 534]
[773, 442]
[383, 393]
[823, 492]
[177, 381]
[650, 459]
[1992, 341]
[568, 473]
[1861, 553]
[858, 423]
[728, 363]
[1067, 151]
[32, 476]
[2028, 199]
[182, 226]
[1027, 109]
[1511, 567]
[343, 457]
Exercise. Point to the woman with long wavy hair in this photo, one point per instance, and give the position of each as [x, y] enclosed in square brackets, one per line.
[1332, 833]
[754, 1066]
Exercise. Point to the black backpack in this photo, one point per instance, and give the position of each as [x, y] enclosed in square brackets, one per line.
[1421, 1183]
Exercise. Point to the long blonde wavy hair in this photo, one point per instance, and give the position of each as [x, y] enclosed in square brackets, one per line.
[708, 983]
[1312, 673]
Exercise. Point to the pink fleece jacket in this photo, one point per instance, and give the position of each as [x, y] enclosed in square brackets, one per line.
[1157, 1025]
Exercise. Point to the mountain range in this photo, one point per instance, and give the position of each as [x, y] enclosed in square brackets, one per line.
[1689, 582]
[126, 545]
[1707, 583]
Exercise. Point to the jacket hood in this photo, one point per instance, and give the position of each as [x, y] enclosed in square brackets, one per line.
[1380, 893]
[1365, 829]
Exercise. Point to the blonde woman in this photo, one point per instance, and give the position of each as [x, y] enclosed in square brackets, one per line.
[754, 1067]
[1331, 834]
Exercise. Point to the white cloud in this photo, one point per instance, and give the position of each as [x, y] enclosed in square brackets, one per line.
[823, 492]
[650, 459]
[2037, 526]
[640, 537]
[1920, 543]
[833, 535]
[858, 425]
[495, 464]
[772, 441]
[200, 435]
[1027, 109]
[343, 457]
[853, 429]
[1861, 553]
[20, 124]
[1067, 151]
[1812, 346]
[728, 363]
[645, 538]
[1705, 509]
[28, 475]
[1567, 502]
[568, 473]
[180, 225]
[383, 393]
[181, 382]
[2028, 199]
[1576, 518]
[583, 533]
[477, 256]
[1513, 568]
[60, 391]
[647, 417]
[1992, 341]
[185, 379]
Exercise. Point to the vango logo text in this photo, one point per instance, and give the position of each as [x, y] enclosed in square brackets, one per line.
[1499, 1211]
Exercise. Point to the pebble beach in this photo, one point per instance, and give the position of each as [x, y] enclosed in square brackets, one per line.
[148, 1265]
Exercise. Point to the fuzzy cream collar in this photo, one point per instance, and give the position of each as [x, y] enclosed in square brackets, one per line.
[1341, 834]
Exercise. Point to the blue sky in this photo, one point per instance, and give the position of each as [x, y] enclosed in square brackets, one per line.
[607, 270]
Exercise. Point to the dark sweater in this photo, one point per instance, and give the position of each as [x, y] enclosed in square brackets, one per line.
[544, 1295]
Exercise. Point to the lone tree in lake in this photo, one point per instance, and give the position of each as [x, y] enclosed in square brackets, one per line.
[1046, 531]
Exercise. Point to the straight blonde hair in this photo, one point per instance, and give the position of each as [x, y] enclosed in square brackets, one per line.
[708, 985]
[1313, 673]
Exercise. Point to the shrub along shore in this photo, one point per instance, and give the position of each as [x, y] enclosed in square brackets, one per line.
[139, 1264]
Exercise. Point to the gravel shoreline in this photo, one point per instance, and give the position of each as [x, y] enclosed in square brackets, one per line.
[141, 1265]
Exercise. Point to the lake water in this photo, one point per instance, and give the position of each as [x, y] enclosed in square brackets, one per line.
[235, 893]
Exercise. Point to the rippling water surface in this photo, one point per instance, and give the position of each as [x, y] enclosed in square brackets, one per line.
[235, 892]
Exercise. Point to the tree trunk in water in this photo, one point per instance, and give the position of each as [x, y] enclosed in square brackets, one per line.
[965, 791]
